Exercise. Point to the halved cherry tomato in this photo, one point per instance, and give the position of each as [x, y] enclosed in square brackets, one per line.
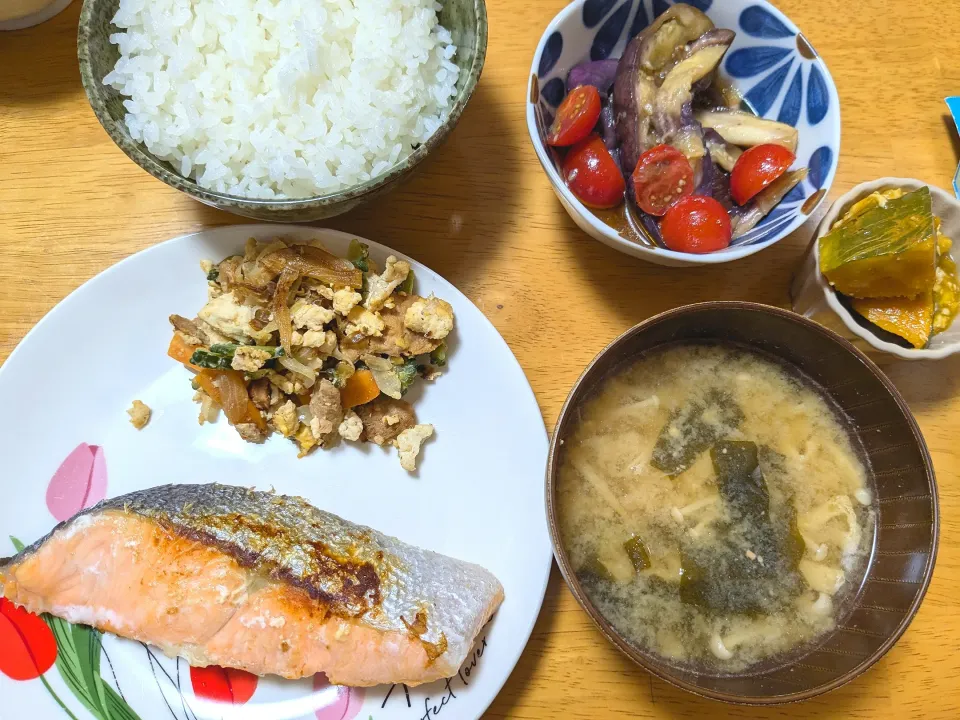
[663, 175]
[576, 116]
[696, 224]
[756, 168]
[592, 174]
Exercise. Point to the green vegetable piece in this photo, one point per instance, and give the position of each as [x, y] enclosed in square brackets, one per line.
[407, 373]
[219, 356]
[210, 360]
[595, 570]
[214, 274]
[359, 253]
[691, 431]
[439, 356]
[407, 285]
[638, 554]
[741, 481]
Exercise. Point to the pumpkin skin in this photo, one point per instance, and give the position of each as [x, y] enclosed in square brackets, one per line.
[883, 247]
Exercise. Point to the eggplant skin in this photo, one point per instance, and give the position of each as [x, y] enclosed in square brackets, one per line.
[642, 67]
[634, 93]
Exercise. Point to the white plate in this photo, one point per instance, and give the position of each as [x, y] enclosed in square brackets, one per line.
[477, 496]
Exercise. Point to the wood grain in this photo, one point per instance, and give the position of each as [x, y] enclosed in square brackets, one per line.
[482, 214]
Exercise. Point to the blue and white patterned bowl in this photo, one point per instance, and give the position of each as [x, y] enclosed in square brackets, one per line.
[770, 63]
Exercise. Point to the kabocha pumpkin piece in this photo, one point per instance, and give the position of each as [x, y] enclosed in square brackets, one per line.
[885, 251]
[910, 318]
[873, 200]
[946, 290]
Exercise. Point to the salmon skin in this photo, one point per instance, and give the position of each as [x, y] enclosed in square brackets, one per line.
[267, 583]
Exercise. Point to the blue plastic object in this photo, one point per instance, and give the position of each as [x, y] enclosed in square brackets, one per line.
[954, 104]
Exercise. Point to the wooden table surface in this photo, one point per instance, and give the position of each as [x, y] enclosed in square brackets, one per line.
[482, 214]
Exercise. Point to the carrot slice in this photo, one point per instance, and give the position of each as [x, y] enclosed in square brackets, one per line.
[207, 379]
[360, 388]
[255, 416]
[181, 351]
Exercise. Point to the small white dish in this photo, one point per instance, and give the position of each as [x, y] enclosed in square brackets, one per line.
[477, 495]
[815, 298]
[770, 62]
[20, 14]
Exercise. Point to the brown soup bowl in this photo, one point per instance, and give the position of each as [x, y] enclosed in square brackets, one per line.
[904, 550]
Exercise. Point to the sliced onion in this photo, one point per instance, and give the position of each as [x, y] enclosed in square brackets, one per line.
[295, 366]
[272, 246]
[310, 358]
[233, 395]
[281, 311]
[314, 262]
[385, 375]
[304, 414]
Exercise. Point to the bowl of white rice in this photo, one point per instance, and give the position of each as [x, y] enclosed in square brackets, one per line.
[282, 110]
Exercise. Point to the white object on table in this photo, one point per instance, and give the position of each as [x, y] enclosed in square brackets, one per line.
[477, 495]
[20, 14]
[954, 104]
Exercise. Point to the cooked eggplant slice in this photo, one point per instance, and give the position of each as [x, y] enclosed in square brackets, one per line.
[643, 67]
[745, 218]
[746, 129]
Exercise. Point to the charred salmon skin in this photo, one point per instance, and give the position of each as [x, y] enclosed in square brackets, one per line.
[267, 583]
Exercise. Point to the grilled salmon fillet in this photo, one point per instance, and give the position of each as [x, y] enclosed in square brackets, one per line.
[266, 583]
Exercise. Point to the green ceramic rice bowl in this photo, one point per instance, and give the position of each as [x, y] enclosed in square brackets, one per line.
[465, 19]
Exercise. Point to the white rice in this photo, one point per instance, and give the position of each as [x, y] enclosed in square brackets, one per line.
[282, 98]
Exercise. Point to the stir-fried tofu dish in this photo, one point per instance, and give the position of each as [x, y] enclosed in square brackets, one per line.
[297, 341]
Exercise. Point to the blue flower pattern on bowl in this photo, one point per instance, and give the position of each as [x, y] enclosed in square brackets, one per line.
[777, 71]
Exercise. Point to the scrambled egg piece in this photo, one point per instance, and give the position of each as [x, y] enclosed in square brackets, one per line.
[345, 300]
[408, 444]
[139, 415]
[380, 287]
[208, 408]
[323, 340]
[305, 439]
[249, 359]
[285, 419]
[364, 322]
[231, 318]
[431, 317]
[352, 427]
[283, 383]
[311, 317]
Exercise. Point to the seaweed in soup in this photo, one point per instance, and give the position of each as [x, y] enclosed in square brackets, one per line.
[692, 429]
[740, 479]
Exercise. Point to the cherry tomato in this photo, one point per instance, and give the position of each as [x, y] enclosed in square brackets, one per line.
[756, 168]
[576, 116]
[662, 176]
[696, 224]
[592, 174]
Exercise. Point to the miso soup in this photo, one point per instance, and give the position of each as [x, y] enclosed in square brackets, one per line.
[714, 506]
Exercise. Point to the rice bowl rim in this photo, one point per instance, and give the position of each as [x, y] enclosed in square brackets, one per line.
[95, 91]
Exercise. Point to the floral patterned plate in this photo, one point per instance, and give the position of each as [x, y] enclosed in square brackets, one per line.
[478, 494]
